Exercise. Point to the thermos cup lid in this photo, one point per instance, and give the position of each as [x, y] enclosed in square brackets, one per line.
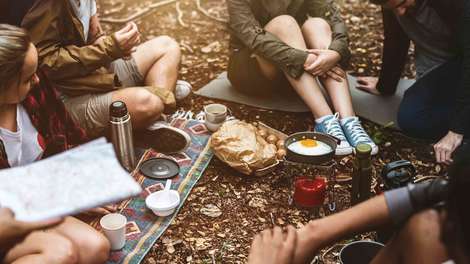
[363, 149]
[118, 109]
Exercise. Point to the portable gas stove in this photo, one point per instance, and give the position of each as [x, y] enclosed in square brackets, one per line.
[311, 184]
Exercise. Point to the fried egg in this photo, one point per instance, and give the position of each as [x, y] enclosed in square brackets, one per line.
[309, 147]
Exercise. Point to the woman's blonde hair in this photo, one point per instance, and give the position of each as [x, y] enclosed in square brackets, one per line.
[14, 44]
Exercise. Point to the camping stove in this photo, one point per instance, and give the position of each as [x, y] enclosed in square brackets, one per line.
[312, 185]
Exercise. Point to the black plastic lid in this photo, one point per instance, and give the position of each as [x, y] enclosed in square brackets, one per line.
[118, 109]
[160, 168]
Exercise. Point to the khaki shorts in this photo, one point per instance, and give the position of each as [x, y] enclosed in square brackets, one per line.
[91, 111]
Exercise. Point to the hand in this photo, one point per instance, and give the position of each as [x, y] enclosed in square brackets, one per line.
[12, 231]
[128, 38]
[95, 29]
[325, 61]
[98, 40]
[309, 241]
[272, 246]
[368, 84]
[446, 146]
[336, 74]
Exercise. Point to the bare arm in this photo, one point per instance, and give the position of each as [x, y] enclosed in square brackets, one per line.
[319, 233]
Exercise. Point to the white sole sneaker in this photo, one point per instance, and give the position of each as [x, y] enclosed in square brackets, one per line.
[166, 139]
[345, 150]
[182, 90]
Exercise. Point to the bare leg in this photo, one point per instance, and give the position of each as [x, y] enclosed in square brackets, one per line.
[92, 246]
[43, 247]
[318, 35]
[418, 242]
[158, 61]
[144, 107]
[286, 29]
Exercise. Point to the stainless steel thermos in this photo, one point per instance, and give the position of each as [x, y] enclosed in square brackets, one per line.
[121, 134]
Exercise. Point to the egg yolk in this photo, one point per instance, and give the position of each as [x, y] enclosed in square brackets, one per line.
[309, 143]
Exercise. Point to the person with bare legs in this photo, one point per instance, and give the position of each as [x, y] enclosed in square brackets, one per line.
[290, 40]
[35, 125]
[92, 69]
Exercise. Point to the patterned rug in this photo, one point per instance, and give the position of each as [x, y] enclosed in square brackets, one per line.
[144, 228]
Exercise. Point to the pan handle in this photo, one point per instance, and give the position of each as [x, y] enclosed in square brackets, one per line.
[338, 141]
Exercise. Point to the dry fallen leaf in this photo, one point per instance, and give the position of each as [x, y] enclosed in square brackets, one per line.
[211, 211]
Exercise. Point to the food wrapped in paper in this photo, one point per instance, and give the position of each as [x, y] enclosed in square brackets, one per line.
[238, 144]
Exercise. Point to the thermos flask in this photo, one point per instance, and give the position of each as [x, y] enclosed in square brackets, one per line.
[121, 134]
[362, 174]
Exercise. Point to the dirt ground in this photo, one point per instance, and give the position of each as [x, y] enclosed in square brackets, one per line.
[226, 209]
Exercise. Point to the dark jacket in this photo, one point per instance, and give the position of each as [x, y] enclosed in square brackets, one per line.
[461, 122]
[397, 43]
[49, 117]
[395, 50]
[248, 18]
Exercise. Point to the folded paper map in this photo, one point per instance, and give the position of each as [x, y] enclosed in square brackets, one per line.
[85, 177]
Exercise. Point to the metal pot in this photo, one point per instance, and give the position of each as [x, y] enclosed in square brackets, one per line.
[311, 159]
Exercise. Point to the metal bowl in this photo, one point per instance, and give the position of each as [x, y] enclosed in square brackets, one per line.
[311, 159]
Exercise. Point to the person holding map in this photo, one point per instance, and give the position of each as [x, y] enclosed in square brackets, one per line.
[35, 125]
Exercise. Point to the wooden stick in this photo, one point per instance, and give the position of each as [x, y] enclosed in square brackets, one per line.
[180, 15]
[111, 11]
[207, 14]
[138, 14]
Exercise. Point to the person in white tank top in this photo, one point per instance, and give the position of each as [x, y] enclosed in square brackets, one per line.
[59, 240]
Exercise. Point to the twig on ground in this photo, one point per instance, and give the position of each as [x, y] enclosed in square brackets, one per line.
[138, 14]
[207, 14]
[322, 258]
[180, 15]
[426, 178]
[187, 47]
[113, 10]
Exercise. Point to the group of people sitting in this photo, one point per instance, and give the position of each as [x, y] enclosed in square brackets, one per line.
[59, 72]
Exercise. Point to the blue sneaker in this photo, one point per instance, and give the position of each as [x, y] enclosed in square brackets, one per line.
[356, 134]
[332, 127]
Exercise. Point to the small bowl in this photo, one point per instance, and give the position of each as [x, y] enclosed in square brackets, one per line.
[163, 203]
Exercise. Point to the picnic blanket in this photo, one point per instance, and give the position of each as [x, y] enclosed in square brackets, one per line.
[381, 110]
[144, 228]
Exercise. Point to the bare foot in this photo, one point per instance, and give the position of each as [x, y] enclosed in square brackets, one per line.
[368, 84]
[272, 246]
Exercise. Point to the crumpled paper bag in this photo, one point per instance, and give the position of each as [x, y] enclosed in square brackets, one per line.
[238, 144]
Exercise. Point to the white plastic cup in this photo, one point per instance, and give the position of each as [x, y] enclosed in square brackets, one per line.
[215, 116]
[114, 228]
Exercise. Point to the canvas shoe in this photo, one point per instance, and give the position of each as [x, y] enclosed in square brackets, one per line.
[356, 134]
[164, 138]
[182, 90]
[332, 127]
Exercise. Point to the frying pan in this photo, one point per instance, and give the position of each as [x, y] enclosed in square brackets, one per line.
[311, 159]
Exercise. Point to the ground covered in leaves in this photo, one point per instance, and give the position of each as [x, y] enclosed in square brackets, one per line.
[226, 209]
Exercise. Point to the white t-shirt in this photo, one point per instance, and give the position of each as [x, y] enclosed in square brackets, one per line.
[84, 10]
[23, 146]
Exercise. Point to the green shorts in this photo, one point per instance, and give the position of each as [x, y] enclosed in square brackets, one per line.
[91, 111]
[245, 74]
